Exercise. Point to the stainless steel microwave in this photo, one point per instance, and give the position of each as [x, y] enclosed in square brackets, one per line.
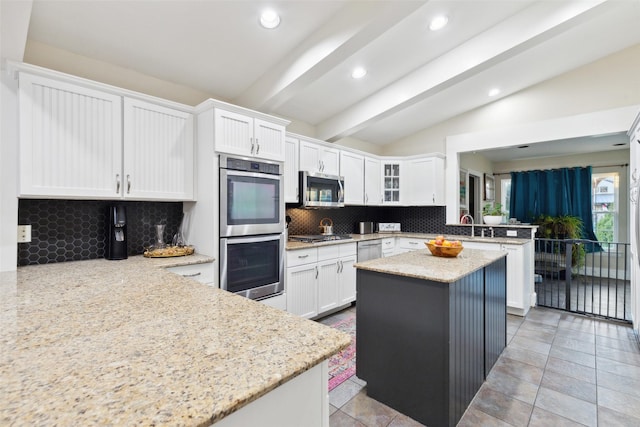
[318, 190]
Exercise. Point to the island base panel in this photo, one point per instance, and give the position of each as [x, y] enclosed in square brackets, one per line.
[418, 355]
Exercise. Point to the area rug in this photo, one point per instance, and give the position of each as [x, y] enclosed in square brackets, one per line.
[343, 365]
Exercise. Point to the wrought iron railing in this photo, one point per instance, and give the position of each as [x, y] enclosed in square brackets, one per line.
[584, 276]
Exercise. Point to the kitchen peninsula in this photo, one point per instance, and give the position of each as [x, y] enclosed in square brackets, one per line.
[430, 329]
[129, 343]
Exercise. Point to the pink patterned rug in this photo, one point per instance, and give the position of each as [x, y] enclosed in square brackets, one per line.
[343, 365]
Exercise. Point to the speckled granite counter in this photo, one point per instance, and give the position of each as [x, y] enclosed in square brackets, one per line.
[422, 265]
[127, 343]
[291, 245]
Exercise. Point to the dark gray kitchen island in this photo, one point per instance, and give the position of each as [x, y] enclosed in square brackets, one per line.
[429, 330]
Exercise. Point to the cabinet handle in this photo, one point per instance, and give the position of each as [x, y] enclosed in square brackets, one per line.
[413, 243]
[192, 275]
[257, 146]
[316, 271]
[434, 197]
[341, 266]
[252, 145]
[128, 183]
[117, 183]
[338, 266]
[366, 198]
[303, 256]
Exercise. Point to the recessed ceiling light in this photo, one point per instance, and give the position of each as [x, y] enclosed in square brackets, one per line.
[269, 19]
[358, 73]
[438, 23]
[493, 92]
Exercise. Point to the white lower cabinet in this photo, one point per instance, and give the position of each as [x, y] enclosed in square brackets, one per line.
[388, 246]
[519, 273]
[320, 279]
[407, 244]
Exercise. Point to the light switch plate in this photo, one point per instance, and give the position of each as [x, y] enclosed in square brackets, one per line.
[24, 233]
[512, 233]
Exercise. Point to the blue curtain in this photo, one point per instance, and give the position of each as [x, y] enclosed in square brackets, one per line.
[554, 192]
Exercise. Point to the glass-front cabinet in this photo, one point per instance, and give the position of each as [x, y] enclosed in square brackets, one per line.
[391, 182]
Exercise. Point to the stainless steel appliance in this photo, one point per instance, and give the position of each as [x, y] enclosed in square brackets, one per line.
[318, 190]
[365, 227]
[252, 227]
[316, 238]
[251, 197]
[253, 266]
[371, 249]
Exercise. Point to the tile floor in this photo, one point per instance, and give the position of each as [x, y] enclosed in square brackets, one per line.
[558, 369]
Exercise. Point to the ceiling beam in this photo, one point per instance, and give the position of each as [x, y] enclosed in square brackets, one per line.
[14, 27]
[351, 29]
[530, 27]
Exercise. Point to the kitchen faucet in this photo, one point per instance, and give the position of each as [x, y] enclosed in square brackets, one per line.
[472, 223]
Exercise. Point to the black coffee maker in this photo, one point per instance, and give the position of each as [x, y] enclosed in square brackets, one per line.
[116, 244]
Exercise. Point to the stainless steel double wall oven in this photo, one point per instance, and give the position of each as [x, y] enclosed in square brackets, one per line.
[252, 224]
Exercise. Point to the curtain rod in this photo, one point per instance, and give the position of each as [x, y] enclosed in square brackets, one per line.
[593, 167]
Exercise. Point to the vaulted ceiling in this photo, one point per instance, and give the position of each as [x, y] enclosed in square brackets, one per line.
[302, 69]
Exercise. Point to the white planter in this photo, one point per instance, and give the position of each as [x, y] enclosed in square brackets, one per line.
[492, 219]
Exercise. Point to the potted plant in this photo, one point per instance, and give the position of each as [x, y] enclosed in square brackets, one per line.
[492, 213]
[562, 227]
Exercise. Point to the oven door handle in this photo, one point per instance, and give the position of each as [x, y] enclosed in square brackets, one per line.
[252, 239]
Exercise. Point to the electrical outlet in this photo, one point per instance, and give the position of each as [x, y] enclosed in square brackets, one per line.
[512, 233]
[24, 233]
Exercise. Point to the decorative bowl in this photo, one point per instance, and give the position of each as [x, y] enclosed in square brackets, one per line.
[444, 251]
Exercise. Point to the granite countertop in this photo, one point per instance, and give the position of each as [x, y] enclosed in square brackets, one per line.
[422, 265]
[291, 245]
[128, 343]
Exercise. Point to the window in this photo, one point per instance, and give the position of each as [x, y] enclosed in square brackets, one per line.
[505, 195]
[605, 206]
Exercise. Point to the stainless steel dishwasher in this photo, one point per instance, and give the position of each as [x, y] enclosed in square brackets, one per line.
[370, 249]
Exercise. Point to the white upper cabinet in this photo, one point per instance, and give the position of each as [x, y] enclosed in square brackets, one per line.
[70, 140]
[372, 182]
[352, 169]
[423, 184]
[158, 152]
[391, 180]
[244, 135]
[79, 142]
[318, 158]
[291, 192]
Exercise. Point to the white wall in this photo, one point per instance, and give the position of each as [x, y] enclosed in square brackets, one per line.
[8, 173]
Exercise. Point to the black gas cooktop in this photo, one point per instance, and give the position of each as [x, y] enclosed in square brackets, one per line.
[319, 238]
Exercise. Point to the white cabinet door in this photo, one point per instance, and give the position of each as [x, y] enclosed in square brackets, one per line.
[233, 133]
[328, 287]
[318, 158]
[347, 280]
[352, 169]
[269, 140]
[330, 159]
[424, 181]
[158, 152]
[291, 169]
[372, 182]
[514, 275]
[243, 135]
[70, 140]
[302, 290]
[391, 182]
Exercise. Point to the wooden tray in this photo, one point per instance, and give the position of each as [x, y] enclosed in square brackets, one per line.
[169, 252]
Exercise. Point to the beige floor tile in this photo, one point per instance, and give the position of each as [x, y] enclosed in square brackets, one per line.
[503, 407]
[474, 417]
[628, 357]
[343, 393]
[369, 411]
[619, 383]
[574, 356]
[340, 419]
[568, 385]
[538, 360]
[610, 418]
[530, 345]
[620, 402]
[574, 344]
[571, 369]
[519, 370]
[567, 406]
[542, 418]
[403, 421]
[512, 386]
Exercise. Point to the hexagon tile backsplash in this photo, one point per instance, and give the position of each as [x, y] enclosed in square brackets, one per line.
[72, 230]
